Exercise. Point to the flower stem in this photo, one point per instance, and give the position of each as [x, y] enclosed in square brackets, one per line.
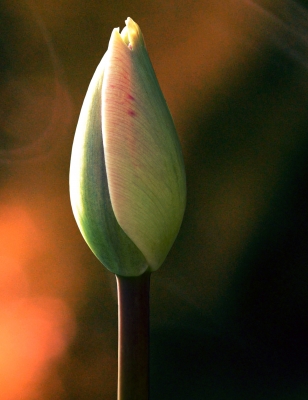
[133, 338]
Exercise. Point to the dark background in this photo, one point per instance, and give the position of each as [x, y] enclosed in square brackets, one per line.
[229, 307]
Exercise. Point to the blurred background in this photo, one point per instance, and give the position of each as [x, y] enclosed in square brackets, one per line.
[229, 307]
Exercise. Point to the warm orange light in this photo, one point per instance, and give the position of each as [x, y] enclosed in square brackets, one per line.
[34, 330]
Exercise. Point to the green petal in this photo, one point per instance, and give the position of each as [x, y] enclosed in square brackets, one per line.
[144, 162]
[89, 190]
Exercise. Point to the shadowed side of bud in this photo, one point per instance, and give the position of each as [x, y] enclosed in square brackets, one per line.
[89, 192]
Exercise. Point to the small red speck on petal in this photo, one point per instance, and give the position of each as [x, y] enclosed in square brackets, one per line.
[130, 97]
[131, 113]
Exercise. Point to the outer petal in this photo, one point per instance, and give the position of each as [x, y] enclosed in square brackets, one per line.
[144, 162]
[89, 190]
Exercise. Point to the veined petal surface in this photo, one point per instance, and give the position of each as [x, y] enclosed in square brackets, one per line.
[144, 162]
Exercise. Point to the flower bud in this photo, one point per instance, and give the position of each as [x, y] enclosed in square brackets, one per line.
[127, 176]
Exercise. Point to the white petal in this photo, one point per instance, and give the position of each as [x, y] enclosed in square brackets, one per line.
[144, 163]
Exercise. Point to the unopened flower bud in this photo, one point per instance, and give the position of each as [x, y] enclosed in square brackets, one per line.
[127, 176]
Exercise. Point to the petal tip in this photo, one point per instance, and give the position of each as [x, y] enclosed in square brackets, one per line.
[134, 33]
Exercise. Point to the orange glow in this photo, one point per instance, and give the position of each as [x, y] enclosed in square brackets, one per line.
[34, 330]
[32, 333]
[18, 233]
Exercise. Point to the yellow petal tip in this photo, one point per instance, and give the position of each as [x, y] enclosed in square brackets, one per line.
[134, 34]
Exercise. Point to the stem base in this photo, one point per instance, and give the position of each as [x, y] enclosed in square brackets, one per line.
[133, 337]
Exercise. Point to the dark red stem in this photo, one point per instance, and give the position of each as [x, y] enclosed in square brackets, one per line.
[133, 339]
